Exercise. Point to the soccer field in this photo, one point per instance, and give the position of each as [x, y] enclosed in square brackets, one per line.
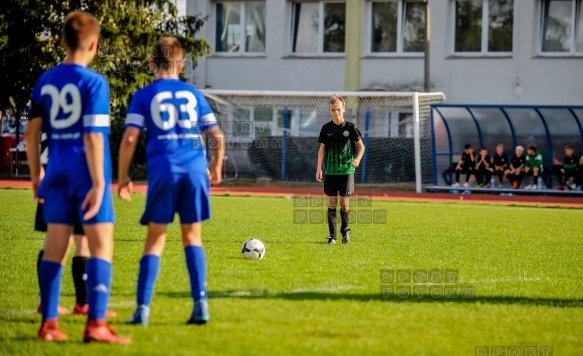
[525, 265]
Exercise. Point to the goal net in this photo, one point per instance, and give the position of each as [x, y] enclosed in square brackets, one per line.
[275, 134]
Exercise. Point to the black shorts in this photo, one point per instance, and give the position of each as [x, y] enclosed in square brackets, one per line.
[342, 185]
[41, 225]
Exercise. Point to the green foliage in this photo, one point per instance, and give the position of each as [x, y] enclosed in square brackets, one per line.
[309, 298]
[29, 44]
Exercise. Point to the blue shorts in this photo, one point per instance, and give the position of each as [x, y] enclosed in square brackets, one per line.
[61, 208]
[184, 193]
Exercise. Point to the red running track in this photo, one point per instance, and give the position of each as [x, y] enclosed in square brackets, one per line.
[572, 202]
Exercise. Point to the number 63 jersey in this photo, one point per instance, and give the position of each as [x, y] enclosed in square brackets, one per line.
[72, 100]
[174, 115]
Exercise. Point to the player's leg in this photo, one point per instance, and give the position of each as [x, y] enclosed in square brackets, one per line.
[99, 232]
[571, 178]
[196, 265]
[78, 264]
[488, 175]
[520, 177]
[458, 172]
[479, 174]
[331, 191]
[346, 190]
[40, 225]
[50, 275]
[159, 212]
[467, 171]
[149, 269]
[510, 176]
[193, 206]
[500, 173]
[535, 172]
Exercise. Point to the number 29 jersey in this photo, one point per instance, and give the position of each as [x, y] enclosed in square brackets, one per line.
[174, 115]
[72, 100]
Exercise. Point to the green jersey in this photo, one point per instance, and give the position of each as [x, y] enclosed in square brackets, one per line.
[340, 147]
[534, 161]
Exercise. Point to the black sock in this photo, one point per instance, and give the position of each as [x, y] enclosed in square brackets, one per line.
[40, 258]
[534, 179]
[332, 222]
[78, 269]
[345, 216]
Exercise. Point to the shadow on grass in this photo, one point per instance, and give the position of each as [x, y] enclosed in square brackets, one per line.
[329, 296]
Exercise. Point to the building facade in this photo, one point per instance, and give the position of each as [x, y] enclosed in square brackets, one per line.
[480, 51]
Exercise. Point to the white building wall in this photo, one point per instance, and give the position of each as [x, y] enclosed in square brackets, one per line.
[523, 77]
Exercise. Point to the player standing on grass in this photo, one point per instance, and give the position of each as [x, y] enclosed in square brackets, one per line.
[175, 115]
[338, 141]
[81, 254]
[71, 104]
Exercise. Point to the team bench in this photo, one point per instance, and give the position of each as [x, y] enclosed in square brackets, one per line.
[547, 175]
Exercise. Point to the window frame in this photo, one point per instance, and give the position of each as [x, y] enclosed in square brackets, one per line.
[321, 17]
[484, 52]
[368, 23]
[575, 10]
[242, 30]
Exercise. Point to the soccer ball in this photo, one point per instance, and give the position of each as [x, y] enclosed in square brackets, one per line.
[253, 249]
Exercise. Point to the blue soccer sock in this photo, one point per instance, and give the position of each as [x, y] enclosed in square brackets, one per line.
[149, 267]
[49, 277]
[98, 287]
[196, 263]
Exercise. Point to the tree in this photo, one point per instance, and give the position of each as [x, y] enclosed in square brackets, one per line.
[30, 36]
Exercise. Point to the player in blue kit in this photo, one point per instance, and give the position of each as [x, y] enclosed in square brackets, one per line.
[174, 115]
[71, 104]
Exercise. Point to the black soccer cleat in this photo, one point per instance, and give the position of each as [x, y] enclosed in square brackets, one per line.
[331, 240]
[345, 236]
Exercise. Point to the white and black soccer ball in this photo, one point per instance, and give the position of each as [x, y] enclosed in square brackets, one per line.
[253, 249]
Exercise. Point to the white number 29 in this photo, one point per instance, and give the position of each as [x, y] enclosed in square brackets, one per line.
[157, 107]
[72, 108]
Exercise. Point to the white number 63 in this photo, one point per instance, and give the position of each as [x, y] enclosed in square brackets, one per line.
[157, 107]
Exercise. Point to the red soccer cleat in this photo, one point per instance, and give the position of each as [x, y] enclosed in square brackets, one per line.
[97, 330]
[50, 331]
[83, 310]
[60, 309]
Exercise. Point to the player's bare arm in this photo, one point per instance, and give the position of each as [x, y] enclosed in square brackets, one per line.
[320, 160]
[218, 152]
[94, 148]
[360, 146]
[126, 152]
[32, 137]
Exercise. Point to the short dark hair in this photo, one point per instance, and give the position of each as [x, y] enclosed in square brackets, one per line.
[78, 28]
[485, 148]
[467, 146]
[569, 147]
[532, 147]
[167, 53]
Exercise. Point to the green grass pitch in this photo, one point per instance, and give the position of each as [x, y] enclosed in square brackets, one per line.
[307, 297]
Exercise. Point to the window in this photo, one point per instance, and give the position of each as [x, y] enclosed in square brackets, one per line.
[318, 27]
[397, 26]
[483, 26]
[240, 27]
[562, 26]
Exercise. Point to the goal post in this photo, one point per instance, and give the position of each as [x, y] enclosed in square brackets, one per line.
[274, 134]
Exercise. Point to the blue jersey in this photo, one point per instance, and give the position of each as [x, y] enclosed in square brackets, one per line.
[72, 101]
[174, 115]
